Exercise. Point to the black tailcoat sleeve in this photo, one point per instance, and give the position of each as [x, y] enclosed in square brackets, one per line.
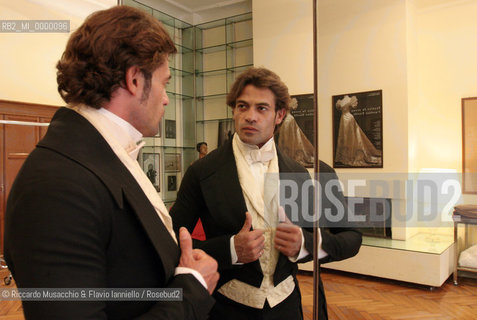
[338, 240]
[76, 218]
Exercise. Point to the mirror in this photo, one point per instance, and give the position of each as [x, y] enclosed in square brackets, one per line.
[421, 54]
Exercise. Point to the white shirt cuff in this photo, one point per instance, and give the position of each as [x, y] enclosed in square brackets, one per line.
[304, 252]
[195, 273]
[233, 254]
[321, 253]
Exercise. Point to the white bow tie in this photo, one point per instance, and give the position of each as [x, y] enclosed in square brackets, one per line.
[133, 150]
[262, 156]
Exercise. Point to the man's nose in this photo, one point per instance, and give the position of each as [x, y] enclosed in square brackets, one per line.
[250, 115]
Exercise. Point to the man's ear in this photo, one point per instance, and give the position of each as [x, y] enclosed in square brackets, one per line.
[134, 81]
[280, 115]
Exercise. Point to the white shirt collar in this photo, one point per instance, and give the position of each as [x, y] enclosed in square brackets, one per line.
[124, 133]
[127, 133]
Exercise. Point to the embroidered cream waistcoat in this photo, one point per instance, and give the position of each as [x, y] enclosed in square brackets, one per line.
[261, 194]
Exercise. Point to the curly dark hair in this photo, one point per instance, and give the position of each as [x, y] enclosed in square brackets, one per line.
[261, 78]
[104, 47]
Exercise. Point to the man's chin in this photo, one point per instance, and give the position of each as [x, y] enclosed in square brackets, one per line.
[248, 139]
[150, 133]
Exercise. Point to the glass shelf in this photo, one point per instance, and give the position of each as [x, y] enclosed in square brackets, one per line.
[214, 120]
[225, 22]
[238, 18]
[210, 72]
[223, 71]
[241, 43]
[180, 73]
[181, 49]
[211, 49]
[178, 95]
[421, 242]
[212, 96]
[240, 68]
[223, 47]
[211, 24]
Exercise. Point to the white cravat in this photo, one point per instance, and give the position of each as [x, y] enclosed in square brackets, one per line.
[260, 155]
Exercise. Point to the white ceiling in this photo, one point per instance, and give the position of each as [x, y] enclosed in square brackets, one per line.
[201, 5]
[200, 11]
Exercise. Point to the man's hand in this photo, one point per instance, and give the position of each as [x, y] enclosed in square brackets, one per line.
[288, 236]
[198, 260]
[249, 244]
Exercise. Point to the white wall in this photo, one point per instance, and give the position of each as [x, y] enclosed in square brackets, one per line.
[283, 41]
[362, 47]
[446, 55]
[28, 60]
[446, 50]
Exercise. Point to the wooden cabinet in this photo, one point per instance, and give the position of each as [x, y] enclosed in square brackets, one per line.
[22, 126]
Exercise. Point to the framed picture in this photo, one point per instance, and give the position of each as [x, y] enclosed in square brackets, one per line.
[172, 162]
[151, 165]
[296, 135]
[172, 183]
[170, 129]
[469, 141]
[226, 131]
[358, 130]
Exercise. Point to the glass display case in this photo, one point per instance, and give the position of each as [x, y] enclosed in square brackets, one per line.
[165, 157]
[224, 49]
[210, 56]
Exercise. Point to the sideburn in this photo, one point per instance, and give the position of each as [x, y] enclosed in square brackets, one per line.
[147, 85]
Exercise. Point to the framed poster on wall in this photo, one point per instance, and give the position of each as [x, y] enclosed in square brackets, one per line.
[296, 134]
[170, 129]
[469, 142]
[172, 183]
[172, 162]
[151, 166]
[358, 130]
[226, 131]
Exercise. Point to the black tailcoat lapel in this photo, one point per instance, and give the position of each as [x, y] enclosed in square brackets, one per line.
[73, 136]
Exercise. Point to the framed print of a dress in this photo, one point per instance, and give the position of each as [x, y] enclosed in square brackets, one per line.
[358, 130]
[295, 137]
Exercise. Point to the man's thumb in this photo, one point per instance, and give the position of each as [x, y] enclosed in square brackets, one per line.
[185, 241]
[248, 222]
